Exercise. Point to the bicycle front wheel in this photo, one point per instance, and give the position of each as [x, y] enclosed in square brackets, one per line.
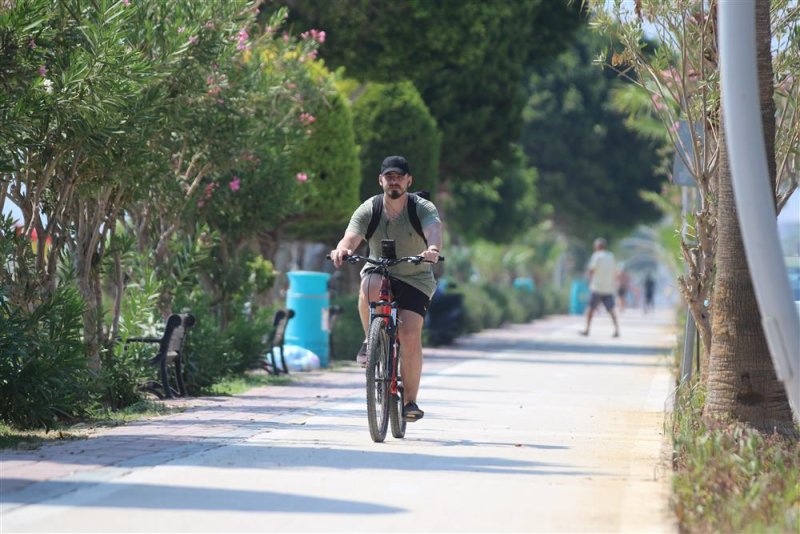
[396, 406]
[378, 379]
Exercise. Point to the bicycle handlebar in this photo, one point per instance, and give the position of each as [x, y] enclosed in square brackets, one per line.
[385, 262]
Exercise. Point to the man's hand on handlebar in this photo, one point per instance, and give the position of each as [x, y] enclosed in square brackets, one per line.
[431, 254]
[338, 255]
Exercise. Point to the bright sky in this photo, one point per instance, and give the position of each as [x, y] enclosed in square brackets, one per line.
[12, 208]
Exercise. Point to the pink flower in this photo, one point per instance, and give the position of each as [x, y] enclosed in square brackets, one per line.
[181, 29]
[31, 44]
[302, 177]
[214, 84]
[126, 2]
[314, 35]
[657, 102]
[307, 118]
[235, 184]
[674, 127]
[42, 70]
[209, 190]
[242, 36]
[210, 25]
[193, 39]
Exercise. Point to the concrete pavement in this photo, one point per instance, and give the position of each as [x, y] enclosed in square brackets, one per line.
[529, 428]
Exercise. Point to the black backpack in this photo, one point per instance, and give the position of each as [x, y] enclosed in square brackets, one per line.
[411, 205]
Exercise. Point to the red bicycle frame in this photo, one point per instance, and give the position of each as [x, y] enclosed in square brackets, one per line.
[383, 308]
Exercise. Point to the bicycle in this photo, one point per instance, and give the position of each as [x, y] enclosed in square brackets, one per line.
[384, 383]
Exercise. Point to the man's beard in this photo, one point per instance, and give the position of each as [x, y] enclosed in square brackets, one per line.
[395, 193]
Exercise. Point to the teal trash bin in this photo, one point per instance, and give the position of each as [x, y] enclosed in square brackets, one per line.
[578, 297]
[309, 298]
[524, 284]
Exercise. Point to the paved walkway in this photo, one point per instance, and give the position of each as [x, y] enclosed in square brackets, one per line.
[527, 428]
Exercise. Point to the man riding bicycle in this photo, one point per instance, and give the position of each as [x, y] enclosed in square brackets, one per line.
[412, 285]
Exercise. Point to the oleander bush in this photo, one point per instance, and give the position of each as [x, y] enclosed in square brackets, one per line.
[44, 373]
[126, 367]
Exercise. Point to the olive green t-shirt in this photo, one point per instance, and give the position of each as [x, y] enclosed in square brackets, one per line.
[407, 241]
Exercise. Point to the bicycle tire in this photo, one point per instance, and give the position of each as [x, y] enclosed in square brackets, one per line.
[377, 380]
[398, 423]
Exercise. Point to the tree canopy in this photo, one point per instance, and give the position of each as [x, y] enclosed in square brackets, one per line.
[391, 119]
[592, 166]
[501, 208]
[467, 58]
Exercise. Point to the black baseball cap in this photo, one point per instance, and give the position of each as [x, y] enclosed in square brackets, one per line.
[395, 164]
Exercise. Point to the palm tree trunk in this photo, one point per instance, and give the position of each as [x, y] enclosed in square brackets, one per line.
[741, 381]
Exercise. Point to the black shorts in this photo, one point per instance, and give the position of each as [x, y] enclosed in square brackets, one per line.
[597, 298]
[409, 297]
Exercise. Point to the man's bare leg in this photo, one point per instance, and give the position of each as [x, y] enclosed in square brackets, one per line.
[616, 323]
[589, 313]
[411, 350]
[370, 289]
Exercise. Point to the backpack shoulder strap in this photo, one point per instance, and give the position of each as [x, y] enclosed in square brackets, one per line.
[413, 216]
[377, 211]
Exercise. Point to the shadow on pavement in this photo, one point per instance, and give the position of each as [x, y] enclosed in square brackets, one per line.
[153, 496]
[495, 344]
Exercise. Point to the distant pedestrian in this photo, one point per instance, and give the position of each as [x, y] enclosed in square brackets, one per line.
[649, 293]
[602, 283]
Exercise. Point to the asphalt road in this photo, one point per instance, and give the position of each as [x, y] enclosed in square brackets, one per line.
[530, 428]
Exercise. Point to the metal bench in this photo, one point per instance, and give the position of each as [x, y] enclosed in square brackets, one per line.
[275, 342]
[170, 351]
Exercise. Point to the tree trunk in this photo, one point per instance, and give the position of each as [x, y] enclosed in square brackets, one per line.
[86, 245]
[742, 383]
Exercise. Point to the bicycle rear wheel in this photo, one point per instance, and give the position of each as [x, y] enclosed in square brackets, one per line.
[378, 376]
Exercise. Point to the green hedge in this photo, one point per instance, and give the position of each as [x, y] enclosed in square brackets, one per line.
[392, 119]
[329, 157]
[485, 306]
[490, 306]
